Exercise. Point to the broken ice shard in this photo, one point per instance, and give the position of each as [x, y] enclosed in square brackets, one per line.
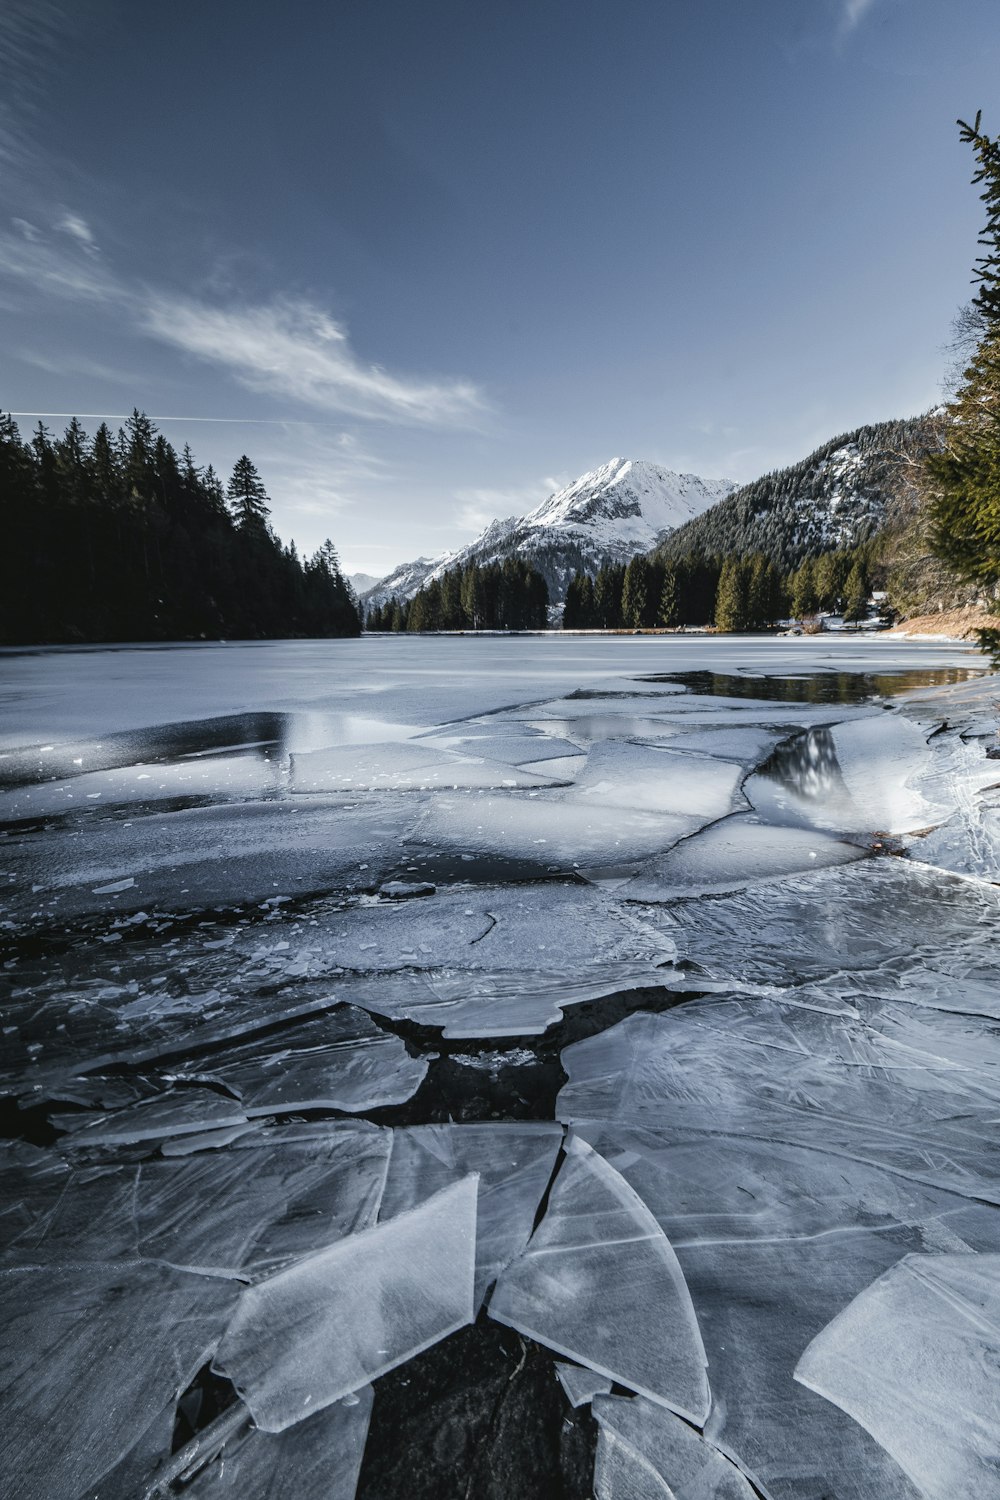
[646, 1453]
[914, 1359]
[514, 1163]
[92, 1355]
[600, 1283]
[320, 1460]
[581, 1385]
[331, 1323]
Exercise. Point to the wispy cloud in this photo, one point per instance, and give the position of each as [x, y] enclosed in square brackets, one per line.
[29, 33]
[854, 12]
[293, 348]
[78, 229]
[290, 347]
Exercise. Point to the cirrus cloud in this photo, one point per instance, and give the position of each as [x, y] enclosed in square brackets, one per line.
[292, 348]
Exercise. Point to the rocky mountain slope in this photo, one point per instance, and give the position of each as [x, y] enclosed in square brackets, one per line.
[609, 515]
[852, 487]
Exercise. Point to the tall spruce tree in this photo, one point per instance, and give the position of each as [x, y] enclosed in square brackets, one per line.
[635, 591]
[963, 479]
[731, 599]
[247, 497]
[669, 612]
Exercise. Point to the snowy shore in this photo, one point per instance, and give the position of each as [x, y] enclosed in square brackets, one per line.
[506, 1067]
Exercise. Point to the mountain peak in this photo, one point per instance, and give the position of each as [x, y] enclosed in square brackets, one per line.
[607, 515]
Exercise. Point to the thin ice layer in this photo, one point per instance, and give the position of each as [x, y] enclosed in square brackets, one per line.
[400, 767]
[914, 1359]
[272, 1197]
[733, 853]
[330, 1324]
[551, 828]
[511, 1002]
[514, 1163]
[645, 1452]
[91, 1356]
[788, 1073]
[622, 774]
[600, 1283]
[340, 1060]
[881, 927]
[319, 1460]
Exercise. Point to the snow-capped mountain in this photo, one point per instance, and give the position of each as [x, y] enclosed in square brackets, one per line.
[608, 515]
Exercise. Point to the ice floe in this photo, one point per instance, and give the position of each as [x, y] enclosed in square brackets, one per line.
[600, 1283]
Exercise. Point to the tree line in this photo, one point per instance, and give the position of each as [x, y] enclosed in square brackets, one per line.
[732, 593]
[118, 537]
[508, 595]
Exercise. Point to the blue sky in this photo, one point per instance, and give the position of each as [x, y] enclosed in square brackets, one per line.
[426, 259]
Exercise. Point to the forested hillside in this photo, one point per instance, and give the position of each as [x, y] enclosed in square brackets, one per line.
[119, 538]
[839, 497]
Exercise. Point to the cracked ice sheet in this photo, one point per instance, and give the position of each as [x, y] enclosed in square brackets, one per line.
[335, 1321]
[914, 1359]
[220, 778]
[735, 852]
[272, 1198]
[400, 767]
[340, 1061]
[600, 1283]
[773, 1241]
[640, 1443]
[556, 829]
[495, 962]
[789, 1074]
[886, 928]
[207, 856]
[621, 774]
[319, 1459]
[91, 1356]
[514, 1163]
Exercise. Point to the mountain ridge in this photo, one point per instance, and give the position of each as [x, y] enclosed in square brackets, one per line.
[610, 514]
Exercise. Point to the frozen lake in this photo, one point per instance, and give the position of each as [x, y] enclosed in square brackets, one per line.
[509, 1066]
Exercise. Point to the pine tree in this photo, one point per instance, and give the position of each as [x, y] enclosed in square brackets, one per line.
[634, 592]
[247, 497]
[963, 479]
[731, 599]
[803, 591]
[669, 609]
[856, 591]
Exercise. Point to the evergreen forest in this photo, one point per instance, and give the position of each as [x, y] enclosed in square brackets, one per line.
[731, 593]
[508, 595]
[120, 538]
